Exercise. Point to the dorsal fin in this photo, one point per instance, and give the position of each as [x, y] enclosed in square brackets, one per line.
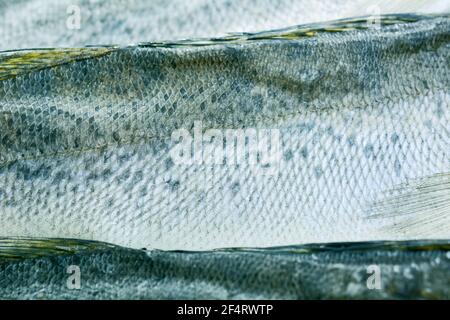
[413, 245]
[13, 63]
[28, 248]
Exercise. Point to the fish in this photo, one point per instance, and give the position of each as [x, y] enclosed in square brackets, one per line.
[73, 23]
[326, 132]
[75, 269]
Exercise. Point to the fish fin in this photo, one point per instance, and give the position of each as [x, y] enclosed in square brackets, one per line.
[419, 208]
[412, 245]
[12, 248]
[14, 63]
[298, 32]
[408, 245]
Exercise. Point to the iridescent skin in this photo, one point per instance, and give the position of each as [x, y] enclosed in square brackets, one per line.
[84, 145]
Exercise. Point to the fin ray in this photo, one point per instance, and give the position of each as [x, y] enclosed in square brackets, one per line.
[14, 63]
[420, 207]
[16, 248]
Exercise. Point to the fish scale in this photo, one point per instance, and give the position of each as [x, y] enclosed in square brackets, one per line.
[86, 149]
[406, 270]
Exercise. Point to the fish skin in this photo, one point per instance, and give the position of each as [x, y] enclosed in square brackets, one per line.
[43, 23]
[411, 270]
[84, 145]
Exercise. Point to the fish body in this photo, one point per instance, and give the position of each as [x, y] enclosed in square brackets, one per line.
[47, 269]
[359, 115]
[73, 23]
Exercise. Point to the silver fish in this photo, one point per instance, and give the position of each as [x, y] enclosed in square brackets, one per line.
[74, 269]
[361, 116]
[74, 23]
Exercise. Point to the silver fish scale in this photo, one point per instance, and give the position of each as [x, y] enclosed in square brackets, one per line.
[86, 150]
[119, 273]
